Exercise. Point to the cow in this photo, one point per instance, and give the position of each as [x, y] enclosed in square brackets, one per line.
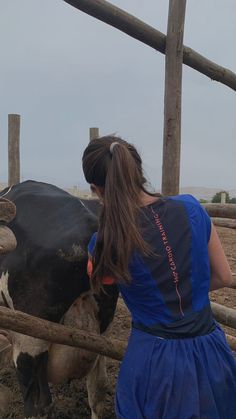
[46, 276]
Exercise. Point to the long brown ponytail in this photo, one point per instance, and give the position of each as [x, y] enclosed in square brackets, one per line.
[119, 171]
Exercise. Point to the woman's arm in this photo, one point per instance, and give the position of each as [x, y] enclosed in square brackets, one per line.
[221, 275]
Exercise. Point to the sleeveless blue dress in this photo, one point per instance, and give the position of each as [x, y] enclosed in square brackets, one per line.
[178, 364]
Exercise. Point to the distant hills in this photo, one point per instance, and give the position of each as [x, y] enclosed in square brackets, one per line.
[200, 192]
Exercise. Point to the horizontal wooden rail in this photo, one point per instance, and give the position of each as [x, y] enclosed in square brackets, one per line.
[224, 222]
[57, 333]
[113, 348]
[224, 315]
[232, 342]
[221, 210]
[233, 286]
[136, 28]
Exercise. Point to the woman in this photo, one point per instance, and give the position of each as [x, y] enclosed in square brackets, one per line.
[164, 255]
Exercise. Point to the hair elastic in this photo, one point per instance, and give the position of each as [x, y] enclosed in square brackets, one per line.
[112, 146]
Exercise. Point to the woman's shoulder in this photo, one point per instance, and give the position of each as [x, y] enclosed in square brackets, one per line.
[196, 212]
[187, 201]
[186, 198]
[190, 203]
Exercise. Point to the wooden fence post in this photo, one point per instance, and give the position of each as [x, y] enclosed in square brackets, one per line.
[13, 149]
[172, 105]
[93, 133]
[223, 198]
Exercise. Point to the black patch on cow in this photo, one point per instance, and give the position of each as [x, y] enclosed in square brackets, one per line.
[32, 376]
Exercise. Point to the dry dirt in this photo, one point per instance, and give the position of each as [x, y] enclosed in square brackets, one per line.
[71, 399]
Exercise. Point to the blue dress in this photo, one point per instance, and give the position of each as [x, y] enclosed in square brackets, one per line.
[178, 364]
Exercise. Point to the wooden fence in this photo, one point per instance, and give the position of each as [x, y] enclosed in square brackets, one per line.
[176, 53]
[71, 336]
[223, 215]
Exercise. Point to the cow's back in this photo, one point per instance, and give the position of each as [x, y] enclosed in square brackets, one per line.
[47, 271]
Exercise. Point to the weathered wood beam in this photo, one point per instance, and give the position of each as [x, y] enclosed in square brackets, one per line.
[7, 210]
[224, 315]
[233, 286]
[13, 149]
[8, 241]
[57, 333]
[93, 133]
[221, 210]
[136, 28]
[172, 100]
[231, 341]
[224, 222]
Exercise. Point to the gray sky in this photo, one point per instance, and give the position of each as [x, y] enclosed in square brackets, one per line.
[64, 72]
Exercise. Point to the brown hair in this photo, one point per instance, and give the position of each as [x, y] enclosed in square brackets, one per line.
[118, 169]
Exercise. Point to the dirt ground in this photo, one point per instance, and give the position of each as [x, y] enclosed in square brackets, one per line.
[71, 399]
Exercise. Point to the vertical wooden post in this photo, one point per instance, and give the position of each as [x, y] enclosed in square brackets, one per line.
[223, 198]
[172, 104]
[13, 149]
[93, 133]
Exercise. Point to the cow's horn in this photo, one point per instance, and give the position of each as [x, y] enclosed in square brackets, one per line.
[7, 210]
[7, 240]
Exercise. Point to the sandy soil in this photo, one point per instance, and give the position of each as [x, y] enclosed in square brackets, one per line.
[71, 399]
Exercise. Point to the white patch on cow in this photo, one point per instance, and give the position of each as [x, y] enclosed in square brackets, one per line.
[8, 190]
[83, 204]
[4, 290]
[28, 345]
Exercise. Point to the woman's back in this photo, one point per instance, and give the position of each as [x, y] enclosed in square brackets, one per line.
[169, 289]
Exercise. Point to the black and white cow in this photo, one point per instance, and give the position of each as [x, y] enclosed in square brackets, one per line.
[46, 276]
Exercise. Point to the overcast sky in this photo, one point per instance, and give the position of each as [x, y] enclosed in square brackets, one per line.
[64, 71]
